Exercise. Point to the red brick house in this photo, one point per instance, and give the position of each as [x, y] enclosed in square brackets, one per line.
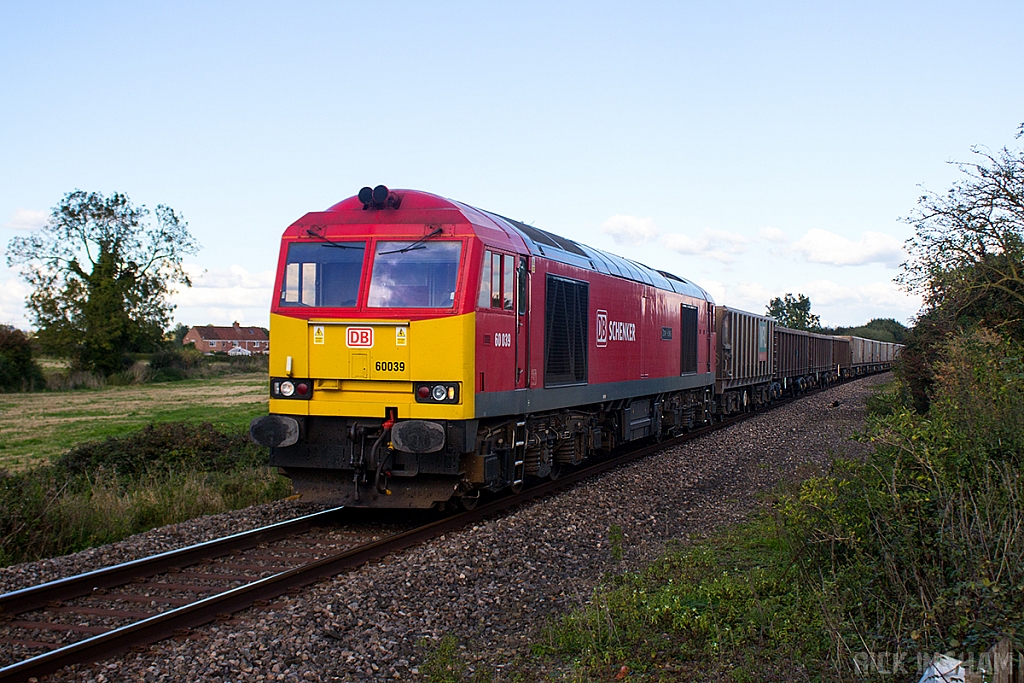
[211, 338]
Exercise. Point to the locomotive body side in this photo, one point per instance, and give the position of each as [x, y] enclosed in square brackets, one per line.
[608, 351]
[595, 338]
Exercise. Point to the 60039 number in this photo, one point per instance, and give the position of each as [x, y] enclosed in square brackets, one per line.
[390, 366]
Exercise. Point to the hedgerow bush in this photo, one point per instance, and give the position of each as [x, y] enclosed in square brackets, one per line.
[916, 550]
[166, 365]
[102, 492]
[18, 371]
[177, 363]
[167, 446]
[920, 550]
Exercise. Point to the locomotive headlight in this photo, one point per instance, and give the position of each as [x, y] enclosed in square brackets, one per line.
[428, 392]
[295, 389]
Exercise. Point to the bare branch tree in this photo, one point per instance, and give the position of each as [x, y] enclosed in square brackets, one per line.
[969, 242]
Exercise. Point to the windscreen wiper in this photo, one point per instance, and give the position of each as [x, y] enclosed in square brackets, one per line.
[418, 244]
[331, 243]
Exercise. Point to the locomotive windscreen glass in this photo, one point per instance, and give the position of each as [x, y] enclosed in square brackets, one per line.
[323, 274]
[415, 274]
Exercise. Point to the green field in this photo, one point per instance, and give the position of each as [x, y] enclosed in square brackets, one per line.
[35, 427]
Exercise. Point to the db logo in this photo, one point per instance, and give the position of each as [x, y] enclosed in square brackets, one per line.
[359, 337]
[602, 328]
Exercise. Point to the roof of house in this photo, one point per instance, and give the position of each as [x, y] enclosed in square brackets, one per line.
[232, 333]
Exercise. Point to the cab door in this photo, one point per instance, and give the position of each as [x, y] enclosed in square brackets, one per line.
[498, 324]
[522, 289]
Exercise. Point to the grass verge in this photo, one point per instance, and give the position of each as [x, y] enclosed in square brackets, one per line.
[37, 427]
[729, 607]
[105, 491]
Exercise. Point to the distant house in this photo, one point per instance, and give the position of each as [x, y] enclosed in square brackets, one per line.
[210, 339]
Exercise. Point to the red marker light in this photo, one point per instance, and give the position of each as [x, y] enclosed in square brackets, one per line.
[301, 388]
[423, 392]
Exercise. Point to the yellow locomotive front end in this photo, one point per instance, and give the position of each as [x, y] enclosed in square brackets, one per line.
[372, 360]
[363, 367]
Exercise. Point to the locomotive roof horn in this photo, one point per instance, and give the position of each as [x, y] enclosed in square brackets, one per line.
[379, 197]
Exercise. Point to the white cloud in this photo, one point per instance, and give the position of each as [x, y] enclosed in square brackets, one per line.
[224, 295]
[837, 304]
[746, 296]
[715, 244]
[885, 294]
[847, 305]
[233, 277]
[13, 292]
[26, 219]
[821, 246]
[630, 230]
[773, 235]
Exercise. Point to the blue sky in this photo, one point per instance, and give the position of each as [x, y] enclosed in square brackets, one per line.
[755, 148]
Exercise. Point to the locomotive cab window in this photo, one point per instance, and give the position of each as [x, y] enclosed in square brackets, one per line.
[415, 274]
[323, 274]
[497, 281]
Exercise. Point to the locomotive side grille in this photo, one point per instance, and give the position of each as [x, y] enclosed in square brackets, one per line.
[688, 340]
[565, 331]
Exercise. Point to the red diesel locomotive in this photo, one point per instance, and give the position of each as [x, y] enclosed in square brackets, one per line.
[426, 350]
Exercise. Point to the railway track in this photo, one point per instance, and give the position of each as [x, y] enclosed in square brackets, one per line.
[100, 614]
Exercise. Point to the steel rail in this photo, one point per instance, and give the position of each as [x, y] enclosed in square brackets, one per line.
[37, 597]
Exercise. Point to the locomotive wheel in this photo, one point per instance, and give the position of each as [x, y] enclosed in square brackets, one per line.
[556, 471]
[469, 503]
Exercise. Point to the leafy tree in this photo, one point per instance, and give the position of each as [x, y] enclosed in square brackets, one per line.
[967, 261]
[794, 312]
[177, 335]
[882, 329]
[101, 272]
[967, 256]
[18, 371]
[893, 327]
